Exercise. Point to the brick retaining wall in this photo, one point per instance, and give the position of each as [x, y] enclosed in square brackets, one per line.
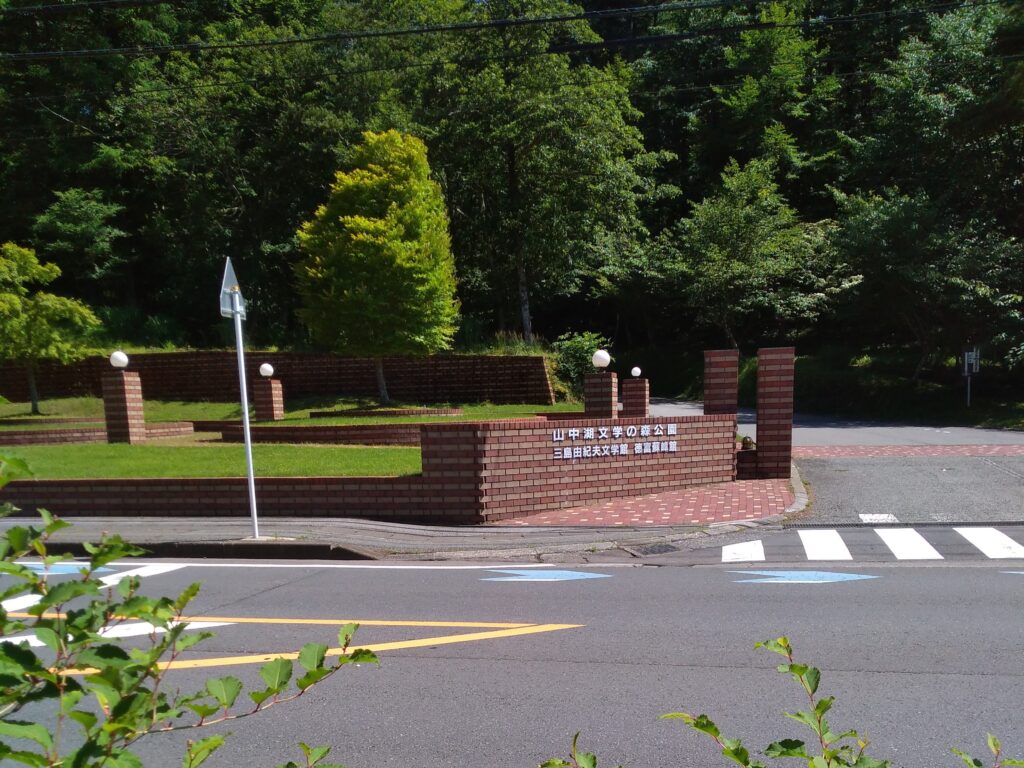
[155, 431]
[214, 376]
[472, 472]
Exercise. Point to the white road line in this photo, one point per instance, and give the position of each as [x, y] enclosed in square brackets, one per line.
[27, 601]
[907, 544]
[132, 629]
[744, 552]
[994, 544]
[824, 545]
[875, 519]
[373, 566]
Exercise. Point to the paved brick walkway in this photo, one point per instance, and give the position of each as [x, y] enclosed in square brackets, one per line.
[902, 451]
[718, 503]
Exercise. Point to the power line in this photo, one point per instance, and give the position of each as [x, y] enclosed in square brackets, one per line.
[85, 5]
[334, 37]
[482, 61]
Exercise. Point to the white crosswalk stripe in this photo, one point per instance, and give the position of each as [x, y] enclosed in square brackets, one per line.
[995, 544]
[907, 544]
[824, 545]
[880, 544]
[745, 552]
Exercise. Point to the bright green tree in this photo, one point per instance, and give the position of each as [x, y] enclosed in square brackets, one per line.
[378, 277]
[36, 325]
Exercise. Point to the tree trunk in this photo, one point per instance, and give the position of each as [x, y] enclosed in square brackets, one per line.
[33, 392]
[728, 334]
[382, 387]
[524, 304]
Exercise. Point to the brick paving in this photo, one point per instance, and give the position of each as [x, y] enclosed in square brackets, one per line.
[717, 503]
[902, 451]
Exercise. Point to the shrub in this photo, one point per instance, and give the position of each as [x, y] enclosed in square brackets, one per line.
[572, 358]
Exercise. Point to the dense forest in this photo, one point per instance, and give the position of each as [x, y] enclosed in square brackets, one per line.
[706, 172]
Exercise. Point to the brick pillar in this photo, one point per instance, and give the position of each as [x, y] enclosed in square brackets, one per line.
[122, 405]
[636, 398]
[721, 380]
[775, 411]
[601, 395]
[268, 396]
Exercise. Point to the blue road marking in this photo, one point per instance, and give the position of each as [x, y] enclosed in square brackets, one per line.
[63, 569]
[539, 575]
[799, 577]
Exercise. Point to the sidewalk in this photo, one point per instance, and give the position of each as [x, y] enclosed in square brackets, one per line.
[620, 530]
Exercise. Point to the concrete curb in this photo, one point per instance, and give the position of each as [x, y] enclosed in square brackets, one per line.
[229, 550]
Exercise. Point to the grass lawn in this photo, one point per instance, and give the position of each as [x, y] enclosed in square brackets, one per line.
[296, 413]
[99, 460]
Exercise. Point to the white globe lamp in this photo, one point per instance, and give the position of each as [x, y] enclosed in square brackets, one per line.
[635, 372]
[266, 370]
[119, 359]
[601, 358]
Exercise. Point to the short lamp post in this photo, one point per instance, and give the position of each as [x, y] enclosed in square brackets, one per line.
[268, 395]
[122, 402]
[601, 389]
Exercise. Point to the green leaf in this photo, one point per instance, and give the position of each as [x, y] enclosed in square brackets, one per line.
[47, 636]
[345, 634]
[197, 752]
[812, 677]
[314, 754]
[780, 646]
[824, 705]
[806, 718]
[863, 761]
[993, 744]
[17, 729]
[259, 697]
[184, 642]
[224, 689]
[276, 673]
[203, 710]
[311, 678]
[969, 761]
[363, 656]
[586, 760]
[312, 656]
[555, 762]
[787, 748]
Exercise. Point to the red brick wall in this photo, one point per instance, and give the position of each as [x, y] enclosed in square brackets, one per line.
[53, 436]
[775, 366]
[370, 434]
[472, 471]
[721, 380]
[404, 499]
[214, 376]
[519, 474]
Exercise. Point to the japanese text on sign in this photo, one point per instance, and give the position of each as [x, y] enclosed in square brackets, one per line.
[582, 441]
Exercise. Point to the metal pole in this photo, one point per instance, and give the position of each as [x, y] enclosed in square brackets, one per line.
[236, 312]
[968, 390]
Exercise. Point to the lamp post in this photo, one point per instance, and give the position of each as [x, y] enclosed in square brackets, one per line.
[601, 359]
[636, 372]
[119, 359]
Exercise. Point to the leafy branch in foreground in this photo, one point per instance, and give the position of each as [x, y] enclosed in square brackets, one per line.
[833, 750]
[113, 694]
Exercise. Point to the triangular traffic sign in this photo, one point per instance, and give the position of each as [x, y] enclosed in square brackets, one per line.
[228, 286]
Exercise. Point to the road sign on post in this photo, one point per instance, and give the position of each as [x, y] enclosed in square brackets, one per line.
[233, 305]
[972, 365]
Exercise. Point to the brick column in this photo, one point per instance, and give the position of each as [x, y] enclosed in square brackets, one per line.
[721, 380]
[122, 405]
[601, 395]
[268, 396]
[636, 398]
[775, 411]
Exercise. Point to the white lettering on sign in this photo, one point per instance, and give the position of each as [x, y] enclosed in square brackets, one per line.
[586, 445]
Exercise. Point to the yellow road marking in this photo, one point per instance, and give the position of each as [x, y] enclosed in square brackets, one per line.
[226, 661]
[361, 622]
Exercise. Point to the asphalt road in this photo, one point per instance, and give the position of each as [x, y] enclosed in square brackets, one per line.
[920, 658]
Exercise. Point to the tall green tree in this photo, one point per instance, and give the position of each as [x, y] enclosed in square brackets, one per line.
[377, 277]
[36, 325]
[744, 257]
[544, 167]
